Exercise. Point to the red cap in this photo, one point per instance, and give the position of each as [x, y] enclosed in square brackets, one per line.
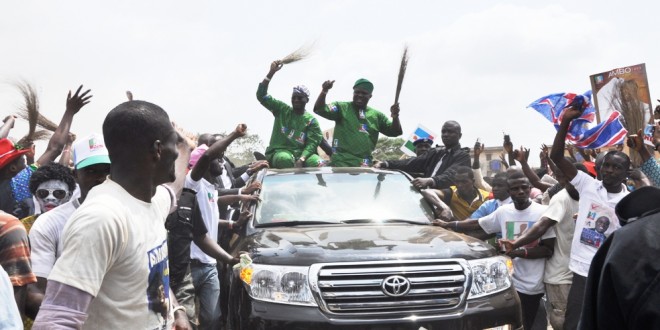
[591, 167]
[9, 152]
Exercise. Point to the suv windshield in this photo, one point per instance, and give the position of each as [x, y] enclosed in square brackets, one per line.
[340, 197]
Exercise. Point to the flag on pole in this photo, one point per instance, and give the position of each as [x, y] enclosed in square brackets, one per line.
[607, 133]
[421, 132]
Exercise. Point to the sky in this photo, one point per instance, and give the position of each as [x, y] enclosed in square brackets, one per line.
[477, 62]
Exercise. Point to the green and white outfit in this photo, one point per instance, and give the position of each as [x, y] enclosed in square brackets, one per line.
[356, 133]
[293, 135]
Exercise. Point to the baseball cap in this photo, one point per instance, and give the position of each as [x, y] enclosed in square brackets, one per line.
[90, 150]
[423, 140]
[9, 152]
[196, 154]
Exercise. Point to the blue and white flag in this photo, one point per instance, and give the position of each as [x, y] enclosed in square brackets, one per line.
[607, 133]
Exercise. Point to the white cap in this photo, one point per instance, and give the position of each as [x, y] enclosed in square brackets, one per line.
[90, 150]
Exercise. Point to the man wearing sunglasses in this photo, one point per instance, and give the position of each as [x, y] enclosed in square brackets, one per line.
[51, 185]
[91, 167]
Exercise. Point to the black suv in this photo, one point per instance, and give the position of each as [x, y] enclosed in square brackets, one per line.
[354, 248]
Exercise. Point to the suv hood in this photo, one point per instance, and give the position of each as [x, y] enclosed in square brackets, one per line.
[306, 245]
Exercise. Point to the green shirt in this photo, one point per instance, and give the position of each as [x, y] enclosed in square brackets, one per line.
[356, 133]
[299, 134]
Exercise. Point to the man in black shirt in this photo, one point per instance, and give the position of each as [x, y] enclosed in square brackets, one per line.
[184, 226]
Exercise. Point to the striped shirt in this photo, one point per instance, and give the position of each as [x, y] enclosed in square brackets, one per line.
[15, 251]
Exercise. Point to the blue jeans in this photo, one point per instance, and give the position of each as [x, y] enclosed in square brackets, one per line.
[207, 291]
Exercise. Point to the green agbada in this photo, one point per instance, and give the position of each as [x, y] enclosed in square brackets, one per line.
[356, 133]
[293, 135]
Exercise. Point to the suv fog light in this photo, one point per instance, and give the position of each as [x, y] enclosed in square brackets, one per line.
[490, 275]
[281, 284]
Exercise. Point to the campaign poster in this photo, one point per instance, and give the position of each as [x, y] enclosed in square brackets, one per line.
[625, 90]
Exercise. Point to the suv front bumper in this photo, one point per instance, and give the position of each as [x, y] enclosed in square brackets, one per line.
[487, 312]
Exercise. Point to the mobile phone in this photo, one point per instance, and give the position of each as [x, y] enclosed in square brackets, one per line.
[507, 138]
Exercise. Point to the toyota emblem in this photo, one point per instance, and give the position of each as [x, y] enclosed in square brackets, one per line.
[395, 286]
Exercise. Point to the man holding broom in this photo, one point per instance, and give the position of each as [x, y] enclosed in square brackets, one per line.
[296, 133]
[356, 125]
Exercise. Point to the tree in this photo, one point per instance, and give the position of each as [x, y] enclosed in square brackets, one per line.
[388, 148]
[240, 151]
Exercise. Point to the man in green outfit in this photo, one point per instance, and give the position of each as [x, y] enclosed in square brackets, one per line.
[296, 133]
[356, 125]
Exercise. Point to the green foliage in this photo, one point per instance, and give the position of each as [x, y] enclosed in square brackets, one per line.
[240, 151]
[388, 148]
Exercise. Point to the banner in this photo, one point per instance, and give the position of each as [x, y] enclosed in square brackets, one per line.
[625, 90]
[421, 132]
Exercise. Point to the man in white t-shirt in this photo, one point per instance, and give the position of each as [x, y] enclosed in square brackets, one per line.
[113, 272]
[529, 261]
[202, 178]
[596, 217]
[91, 167]
[558, 218]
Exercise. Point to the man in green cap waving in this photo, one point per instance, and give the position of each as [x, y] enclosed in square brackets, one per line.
[356, 125]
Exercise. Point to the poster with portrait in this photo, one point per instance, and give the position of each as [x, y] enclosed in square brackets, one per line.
[625, 90]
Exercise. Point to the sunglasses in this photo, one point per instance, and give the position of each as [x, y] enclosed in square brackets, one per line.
[57, 193]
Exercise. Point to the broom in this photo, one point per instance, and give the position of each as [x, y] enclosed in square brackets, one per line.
[30, 112]
[299, 54]
[402, 73]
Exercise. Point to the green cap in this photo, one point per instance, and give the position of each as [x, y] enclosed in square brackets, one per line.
[364, 84]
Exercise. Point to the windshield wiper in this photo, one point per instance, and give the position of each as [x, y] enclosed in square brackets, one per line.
[383, 221]
[294, 223]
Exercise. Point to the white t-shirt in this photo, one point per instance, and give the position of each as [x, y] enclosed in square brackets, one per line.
[561, 209]
[527, 273]
[45, 237]
[10, 317]
[596, 206]
[207, 199]
[115, 249]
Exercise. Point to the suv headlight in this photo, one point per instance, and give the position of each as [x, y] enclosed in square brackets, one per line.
[280, 284]
[490, 275]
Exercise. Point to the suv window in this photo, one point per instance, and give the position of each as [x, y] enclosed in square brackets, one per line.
[337, 197]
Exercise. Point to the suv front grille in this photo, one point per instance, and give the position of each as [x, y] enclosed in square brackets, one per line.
[390, 287]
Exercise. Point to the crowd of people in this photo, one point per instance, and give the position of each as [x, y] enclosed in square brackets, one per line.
[129, 228]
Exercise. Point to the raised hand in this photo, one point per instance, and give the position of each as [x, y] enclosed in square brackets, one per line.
[327, 85]
[274, 67]
[478, 149]
[241, 130]
[636, 141]
[11, 119]
[394, 110]
[545, 151]
[571, 113]
[521, 155]
[77, 101]
[508, 146]
[503, 160]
